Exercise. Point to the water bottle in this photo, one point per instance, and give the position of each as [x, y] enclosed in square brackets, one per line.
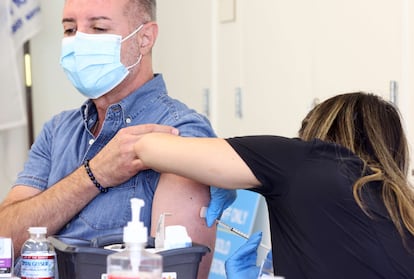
[37, 256]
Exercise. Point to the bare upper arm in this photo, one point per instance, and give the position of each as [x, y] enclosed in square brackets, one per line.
[181, 197]
[184, 198]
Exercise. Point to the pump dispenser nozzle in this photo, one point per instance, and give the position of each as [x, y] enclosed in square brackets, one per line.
[136, 205]
[135, 231]
[134, 261]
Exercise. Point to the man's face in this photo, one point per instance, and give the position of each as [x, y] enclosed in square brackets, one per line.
[100, 17]
[94, 17]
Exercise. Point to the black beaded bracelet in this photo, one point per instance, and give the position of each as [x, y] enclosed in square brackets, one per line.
[92, 177]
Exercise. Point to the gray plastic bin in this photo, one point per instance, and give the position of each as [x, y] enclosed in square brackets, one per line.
[87, 260]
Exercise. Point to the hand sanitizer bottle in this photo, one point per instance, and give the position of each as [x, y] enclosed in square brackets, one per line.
[134, 262]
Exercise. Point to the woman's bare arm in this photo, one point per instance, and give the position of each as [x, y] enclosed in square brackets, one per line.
[210, 161]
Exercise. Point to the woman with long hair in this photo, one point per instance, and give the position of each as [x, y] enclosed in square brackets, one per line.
[340, 204]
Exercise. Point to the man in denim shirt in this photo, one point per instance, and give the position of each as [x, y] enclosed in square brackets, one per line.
[82, 171]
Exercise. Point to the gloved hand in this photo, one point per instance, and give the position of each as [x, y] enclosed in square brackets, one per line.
[242, 264]
[220, 200]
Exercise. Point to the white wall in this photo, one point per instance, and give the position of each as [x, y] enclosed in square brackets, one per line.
[14, 144]
[13, 151]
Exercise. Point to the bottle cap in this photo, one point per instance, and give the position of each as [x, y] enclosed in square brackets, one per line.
[135, 231]
[37, 230]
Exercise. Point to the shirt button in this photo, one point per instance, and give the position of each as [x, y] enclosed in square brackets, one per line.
[128, 120]
[91, 141]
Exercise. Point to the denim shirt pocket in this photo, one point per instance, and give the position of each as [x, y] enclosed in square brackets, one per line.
[111, 210]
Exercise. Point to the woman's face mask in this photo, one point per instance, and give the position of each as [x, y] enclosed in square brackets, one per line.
[92, 62]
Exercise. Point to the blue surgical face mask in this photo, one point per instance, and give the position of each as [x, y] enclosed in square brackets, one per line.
[92, 62]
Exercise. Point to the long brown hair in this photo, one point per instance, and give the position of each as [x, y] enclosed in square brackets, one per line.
[371, 128]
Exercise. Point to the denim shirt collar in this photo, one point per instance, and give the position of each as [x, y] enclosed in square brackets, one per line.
[131, 105]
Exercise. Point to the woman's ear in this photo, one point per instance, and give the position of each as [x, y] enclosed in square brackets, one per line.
[147, 37]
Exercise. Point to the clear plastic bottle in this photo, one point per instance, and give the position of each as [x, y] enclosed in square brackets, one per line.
[134, 262]
[38, 257]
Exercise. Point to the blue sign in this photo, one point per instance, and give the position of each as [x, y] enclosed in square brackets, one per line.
[240, 216]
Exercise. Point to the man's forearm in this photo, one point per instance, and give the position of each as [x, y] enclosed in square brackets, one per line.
[52, 208]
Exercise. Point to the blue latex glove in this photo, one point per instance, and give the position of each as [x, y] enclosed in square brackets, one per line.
[242, 264]
[220, 200]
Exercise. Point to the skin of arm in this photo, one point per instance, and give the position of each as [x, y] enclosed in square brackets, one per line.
[210, 161]
[26, 206]
[183, 199]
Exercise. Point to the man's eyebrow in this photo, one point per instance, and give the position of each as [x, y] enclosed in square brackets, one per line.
[95, 18]
[68, 20]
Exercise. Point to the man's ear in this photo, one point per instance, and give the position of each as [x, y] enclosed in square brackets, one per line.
[147, 37]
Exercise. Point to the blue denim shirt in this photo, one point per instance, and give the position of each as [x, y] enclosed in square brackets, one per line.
[66, 141]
